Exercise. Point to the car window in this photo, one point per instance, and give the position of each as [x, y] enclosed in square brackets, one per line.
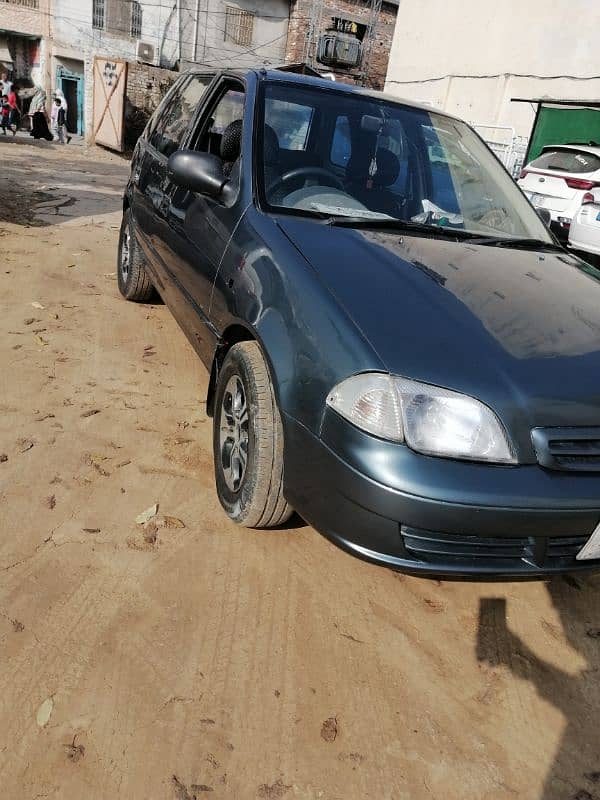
[226, 109]
[177, 117]
[229, 108]
[291, 122]
[341, 146]
[567, 161]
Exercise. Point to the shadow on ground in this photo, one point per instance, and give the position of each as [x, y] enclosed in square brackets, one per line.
[575, 695]
[49, 184]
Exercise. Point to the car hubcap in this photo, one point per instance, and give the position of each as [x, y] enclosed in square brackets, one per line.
[234, 433]
[125, 253]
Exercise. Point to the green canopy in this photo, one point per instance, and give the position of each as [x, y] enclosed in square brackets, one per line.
[564, 126]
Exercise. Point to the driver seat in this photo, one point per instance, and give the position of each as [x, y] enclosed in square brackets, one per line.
[374, 193]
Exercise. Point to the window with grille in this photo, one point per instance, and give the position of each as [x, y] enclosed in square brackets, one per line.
[136, 19]
[239, 26]
[26, 3]
[98, 14]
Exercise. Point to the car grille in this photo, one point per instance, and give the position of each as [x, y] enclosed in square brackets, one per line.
[569, 449]
[540, 551]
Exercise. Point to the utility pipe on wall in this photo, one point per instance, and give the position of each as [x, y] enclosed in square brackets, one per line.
[179, 32]
[196, 15]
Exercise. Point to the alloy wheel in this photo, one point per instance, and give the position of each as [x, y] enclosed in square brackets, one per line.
[234, 435]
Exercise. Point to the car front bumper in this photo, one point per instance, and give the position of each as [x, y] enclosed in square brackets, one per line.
[385, 503]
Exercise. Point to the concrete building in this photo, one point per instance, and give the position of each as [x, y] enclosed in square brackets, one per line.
[169, 35]
[345, 23]
[25, 27]
[86, 29]
[243, 33]
[470, 58]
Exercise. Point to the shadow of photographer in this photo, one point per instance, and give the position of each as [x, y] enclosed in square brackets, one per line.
[575, 771]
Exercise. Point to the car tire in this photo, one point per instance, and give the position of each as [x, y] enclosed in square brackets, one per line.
[248, 441]
[132, 277]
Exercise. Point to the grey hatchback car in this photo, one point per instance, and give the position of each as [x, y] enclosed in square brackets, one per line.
[398, 347]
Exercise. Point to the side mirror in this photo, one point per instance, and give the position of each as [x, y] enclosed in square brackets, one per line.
[544, 215]
[197, 172]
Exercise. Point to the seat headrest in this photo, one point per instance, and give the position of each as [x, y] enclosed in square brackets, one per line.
[231, 141]
[388, 167]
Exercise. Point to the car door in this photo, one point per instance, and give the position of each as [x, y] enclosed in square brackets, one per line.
[155, 186]
[144, 173]
[199, 227]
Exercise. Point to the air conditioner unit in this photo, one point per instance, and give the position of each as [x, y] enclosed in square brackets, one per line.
[145, 52]
[338, 48]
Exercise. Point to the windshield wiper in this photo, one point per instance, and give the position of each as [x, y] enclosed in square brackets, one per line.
[521, 243]
[403, 226]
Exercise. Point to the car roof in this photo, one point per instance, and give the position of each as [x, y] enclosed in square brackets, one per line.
[280, 76]
[274, 75]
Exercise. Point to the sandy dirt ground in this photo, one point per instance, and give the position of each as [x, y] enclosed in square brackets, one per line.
[207, 660]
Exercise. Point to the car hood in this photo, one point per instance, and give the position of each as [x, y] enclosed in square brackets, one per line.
[519, 329]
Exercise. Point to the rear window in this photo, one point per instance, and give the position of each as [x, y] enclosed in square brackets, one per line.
[567, 161]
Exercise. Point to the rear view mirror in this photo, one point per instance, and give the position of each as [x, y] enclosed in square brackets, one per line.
[372, 124]
[197, 172]
[544, 215]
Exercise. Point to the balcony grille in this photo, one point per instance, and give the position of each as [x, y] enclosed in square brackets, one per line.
[567, 449]
[239, 26]
[99, 14]
[136, 19]
[24, 3]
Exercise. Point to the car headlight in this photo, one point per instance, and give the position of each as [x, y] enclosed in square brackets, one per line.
[430, 420]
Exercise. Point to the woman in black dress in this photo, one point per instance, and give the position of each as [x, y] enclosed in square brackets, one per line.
[39, 116]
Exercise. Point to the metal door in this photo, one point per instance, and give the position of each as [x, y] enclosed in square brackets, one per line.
[71, 85]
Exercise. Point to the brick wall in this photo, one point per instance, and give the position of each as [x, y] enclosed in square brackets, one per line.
[146, 87]
[358, 11]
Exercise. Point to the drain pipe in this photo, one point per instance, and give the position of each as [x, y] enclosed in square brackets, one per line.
[196, 16]
[179, 24]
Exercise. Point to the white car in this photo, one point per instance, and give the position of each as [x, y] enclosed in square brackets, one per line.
[559, 179]
[585, 229]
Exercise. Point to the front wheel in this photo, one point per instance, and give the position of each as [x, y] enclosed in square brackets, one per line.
[248, 441]
[132, 277]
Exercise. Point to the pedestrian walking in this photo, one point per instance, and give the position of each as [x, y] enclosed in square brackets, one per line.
[14, 116]
[39, 116]
[61, 121]
[4, 113]
[60, 103]
[5, 84]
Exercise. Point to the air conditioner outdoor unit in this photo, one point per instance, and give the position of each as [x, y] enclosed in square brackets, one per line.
[145, 52]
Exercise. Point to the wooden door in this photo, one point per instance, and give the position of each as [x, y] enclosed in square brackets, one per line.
[110, 81]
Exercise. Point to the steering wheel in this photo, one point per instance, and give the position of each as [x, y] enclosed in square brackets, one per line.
[305, 172]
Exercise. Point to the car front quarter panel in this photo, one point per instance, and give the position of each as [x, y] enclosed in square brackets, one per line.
[267, 286]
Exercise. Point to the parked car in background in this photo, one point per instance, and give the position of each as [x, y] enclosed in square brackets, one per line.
[584, 235]
[398, 348]
[558, 180]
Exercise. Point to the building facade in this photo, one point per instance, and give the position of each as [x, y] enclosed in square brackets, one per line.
[332, 36]
[471, 59]
[84, 30]
[25, 29]
[164, 35]
[237, 34]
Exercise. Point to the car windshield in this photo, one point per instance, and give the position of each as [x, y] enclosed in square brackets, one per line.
[337, 154]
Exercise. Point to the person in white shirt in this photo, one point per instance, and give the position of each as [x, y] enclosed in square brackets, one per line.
[6, 84]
